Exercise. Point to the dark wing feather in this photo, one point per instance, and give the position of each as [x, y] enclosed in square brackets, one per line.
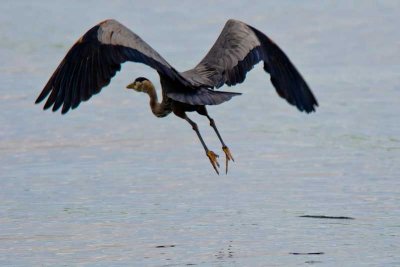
[238, 48]
[94, 59]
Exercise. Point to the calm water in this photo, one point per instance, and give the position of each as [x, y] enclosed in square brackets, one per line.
[111, 185]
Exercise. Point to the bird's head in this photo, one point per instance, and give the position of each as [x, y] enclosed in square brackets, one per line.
[141, 84]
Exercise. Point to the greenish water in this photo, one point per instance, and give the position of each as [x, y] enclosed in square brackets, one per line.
[111, 185]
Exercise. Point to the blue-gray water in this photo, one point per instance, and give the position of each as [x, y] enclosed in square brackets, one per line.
[111, 185]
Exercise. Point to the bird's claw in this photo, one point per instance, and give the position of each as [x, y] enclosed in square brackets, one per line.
[213, 159]
[228, 157]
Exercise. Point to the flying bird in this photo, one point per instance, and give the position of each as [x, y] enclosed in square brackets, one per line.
[95, 58]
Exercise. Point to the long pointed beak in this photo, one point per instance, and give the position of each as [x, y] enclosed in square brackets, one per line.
[130, 86]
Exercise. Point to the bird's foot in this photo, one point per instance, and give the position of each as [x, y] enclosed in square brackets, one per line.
[213, 159]
[228, 157]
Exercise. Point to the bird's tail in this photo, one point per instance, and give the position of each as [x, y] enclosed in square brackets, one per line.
[203, 96]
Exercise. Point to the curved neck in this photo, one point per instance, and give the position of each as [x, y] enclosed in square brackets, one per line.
[157, 108]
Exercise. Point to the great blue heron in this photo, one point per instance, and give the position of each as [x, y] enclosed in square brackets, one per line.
[95, 58]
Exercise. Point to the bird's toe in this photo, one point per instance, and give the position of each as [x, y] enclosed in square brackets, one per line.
[228, 157]
[213, 160]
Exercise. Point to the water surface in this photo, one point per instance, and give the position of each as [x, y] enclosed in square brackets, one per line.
[111, 185]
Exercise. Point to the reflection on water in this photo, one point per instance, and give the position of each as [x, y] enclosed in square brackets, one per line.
[111, 185]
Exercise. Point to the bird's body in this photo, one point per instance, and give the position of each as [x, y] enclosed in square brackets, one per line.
[96, 57]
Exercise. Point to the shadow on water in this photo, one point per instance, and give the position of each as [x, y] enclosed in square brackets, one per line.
[165, 246]
[327, 217]
[306, 253]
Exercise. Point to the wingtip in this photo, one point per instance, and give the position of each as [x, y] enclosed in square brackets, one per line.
[314, 105]
[47, 105]
[40, 98]
[64, 111]
[311, 109]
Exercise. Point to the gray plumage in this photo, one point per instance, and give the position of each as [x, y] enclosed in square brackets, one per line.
[96, 57]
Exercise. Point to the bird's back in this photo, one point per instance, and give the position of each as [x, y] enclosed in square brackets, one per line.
[193, 95]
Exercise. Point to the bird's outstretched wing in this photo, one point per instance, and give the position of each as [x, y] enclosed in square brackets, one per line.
[238, 48]
[94, 59]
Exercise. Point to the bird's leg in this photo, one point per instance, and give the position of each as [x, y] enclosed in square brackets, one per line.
[210, 154]
[228, 154]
